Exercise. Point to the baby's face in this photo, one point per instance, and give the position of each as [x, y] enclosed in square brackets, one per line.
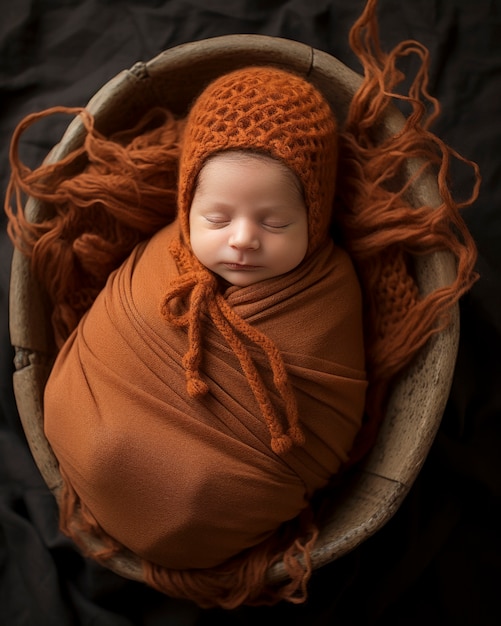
[248, 219]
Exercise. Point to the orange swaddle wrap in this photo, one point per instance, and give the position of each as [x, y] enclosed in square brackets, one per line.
[185, 482]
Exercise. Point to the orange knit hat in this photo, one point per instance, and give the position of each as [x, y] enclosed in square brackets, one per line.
[274, 112]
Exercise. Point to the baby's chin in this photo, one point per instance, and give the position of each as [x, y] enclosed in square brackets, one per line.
[243, 278]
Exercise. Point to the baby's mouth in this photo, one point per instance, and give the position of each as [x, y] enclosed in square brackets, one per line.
[241, 266]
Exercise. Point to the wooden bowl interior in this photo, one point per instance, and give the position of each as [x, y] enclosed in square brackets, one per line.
[173, 79]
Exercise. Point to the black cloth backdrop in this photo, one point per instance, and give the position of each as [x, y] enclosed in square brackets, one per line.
[437, 560]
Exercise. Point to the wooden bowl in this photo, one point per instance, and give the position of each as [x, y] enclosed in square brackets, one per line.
[172, 79]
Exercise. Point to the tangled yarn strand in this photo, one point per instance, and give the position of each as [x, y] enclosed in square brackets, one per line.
[33, 183]
[280, 376]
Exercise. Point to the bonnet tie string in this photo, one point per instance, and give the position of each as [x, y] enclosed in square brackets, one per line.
[199, 289]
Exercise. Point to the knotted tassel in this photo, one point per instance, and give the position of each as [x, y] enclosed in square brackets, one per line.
[198, 288]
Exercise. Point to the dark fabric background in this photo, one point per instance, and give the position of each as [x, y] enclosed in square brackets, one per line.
[437, 561]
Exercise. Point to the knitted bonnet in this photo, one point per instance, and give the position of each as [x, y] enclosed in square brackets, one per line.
[274, 112]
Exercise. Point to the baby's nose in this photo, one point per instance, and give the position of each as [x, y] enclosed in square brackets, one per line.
[244, 235]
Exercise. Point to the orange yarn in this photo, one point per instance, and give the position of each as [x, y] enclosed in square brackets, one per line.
[381, 230]
[125, 194]
[379, 227]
